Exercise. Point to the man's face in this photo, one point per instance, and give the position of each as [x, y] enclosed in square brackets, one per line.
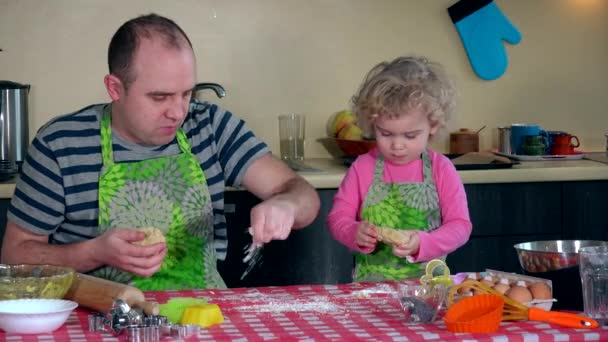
[155, 105]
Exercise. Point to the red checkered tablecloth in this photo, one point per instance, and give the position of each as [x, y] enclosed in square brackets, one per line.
[348, 312]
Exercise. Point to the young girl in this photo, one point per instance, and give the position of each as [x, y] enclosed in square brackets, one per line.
[401, 184]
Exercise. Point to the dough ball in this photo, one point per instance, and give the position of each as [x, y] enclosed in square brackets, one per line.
[153, 236]
[392, 236]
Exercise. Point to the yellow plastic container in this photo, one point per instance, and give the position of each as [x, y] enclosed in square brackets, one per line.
[204, 315]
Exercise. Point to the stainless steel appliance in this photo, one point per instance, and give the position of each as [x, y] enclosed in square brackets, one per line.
[504, 140]
[14, 130]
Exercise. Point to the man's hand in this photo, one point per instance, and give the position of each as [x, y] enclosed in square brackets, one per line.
[289, 200]
[115, 248]
[366, 236]
[411, 247]
[272, 219]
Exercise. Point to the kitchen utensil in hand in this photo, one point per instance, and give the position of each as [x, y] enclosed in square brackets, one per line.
[253, 253]
[515, 311]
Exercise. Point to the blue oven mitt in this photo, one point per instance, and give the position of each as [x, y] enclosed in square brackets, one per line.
[482, 28]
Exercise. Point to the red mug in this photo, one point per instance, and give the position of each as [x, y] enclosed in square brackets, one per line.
[562, 144]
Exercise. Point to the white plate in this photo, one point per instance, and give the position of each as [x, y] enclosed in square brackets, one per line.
[34, 316]
[546, 157]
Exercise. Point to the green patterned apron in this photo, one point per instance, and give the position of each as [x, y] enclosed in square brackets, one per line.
[406, 206]
[169, 193]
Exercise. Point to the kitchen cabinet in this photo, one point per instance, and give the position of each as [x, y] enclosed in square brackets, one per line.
[4, 203]
[495, 252]
[309, 256]
[502, 216]
[585, 210]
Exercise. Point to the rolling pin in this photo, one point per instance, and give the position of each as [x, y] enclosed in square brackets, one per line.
[99, 294]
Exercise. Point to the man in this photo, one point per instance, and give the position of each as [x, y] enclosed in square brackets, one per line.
[151, 158]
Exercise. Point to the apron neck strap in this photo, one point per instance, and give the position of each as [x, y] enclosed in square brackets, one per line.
[379, 167]
[106, 136]
[427, 171]
[182, 141]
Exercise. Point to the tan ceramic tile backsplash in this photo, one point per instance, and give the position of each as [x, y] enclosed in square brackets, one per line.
[308, 56]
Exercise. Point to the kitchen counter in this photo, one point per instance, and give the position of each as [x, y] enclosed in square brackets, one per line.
[534, 171]
[331, 171]
[344, 312]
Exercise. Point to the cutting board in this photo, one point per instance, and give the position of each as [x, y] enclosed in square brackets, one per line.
[601, 157]
[479, 161]
[480, 158]
[99, 294]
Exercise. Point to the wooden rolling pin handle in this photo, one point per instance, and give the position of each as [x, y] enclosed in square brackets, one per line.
[149, 308]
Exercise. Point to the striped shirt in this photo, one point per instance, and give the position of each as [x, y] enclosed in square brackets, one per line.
[57, 191]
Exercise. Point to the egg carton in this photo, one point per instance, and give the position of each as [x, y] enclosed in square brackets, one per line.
[544, 304]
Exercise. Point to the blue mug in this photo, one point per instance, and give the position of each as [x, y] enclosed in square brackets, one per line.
[518, 131]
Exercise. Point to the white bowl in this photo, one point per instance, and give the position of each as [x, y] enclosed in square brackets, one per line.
[34, 316]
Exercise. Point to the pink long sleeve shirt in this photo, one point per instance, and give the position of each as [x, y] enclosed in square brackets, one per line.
[455, 228]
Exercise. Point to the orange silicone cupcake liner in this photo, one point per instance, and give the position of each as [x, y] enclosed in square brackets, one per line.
[481, 313]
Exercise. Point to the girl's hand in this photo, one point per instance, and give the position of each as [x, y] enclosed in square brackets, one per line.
[366, 235]
[409, 248]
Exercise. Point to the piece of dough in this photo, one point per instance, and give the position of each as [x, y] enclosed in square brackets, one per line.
[392, 236]
[153, 235]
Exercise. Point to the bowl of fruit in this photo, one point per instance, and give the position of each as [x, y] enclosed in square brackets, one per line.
[344, 137]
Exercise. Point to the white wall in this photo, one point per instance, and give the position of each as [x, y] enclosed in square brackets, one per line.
[279, 56]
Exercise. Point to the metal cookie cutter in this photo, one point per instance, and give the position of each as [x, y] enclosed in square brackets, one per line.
[138, 327]
[155, 321]
[143, 334]
[184, 330]
[97, 322]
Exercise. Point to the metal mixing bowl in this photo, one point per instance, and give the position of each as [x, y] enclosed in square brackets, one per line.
[543, 256]
[34, 281]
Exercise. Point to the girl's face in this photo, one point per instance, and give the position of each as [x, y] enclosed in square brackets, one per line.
[402, 139]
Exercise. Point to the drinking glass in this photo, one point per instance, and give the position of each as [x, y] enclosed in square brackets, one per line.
[593, 263]
[291, 136]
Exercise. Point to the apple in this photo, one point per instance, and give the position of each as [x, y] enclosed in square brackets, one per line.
[338, 121]
[350, 132]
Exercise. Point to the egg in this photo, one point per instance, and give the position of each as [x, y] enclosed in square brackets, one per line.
[540, 290]
[519, 293]
[520, 283]
[465, 291]
[488, 281]
[502, 286]
[474, 276]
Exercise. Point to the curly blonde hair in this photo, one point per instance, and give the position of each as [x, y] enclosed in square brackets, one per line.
[394, 88]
